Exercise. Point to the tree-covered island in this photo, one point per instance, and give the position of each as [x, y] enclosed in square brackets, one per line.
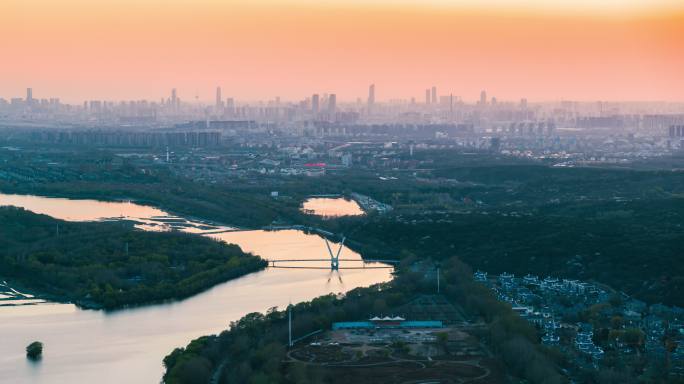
[111, 264]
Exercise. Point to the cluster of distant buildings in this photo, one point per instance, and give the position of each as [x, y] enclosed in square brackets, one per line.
[117, 138]
[562, 307]
[571, 133]
[527, 295]
[368, 204]
[486, 115]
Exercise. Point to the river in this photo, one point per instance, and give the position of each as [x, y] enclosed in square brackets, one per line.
[127, 346]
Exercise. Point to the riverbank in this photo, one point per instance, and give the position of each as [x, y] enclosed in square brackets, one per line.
[245, 209]
[132, 342]
[322, 227]
[127, 199]
[110, 265]
[257, 347]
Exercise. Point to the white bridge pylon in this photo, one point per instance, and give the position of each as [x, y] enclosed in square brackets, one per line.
[334, 259]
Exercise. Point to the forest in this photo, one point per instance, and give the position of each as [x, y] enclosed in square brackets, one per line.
[111, 264]
[255, 345]
[494, 212]
[633, 246]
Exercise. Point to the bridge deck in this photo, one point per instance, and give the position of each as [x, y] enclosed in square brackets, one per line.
[345, 260]
[328, 268]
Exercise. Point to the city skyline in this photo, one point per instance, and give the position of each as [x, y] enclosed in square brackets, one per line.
[513, 49]
[212, 97]
[341, 191]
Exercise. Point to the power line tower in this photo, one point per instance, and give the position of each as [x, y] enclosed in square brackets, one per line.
[289, 325]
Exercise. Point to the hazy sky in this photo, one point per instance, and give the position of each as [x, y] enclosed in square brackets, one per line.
[125, 49]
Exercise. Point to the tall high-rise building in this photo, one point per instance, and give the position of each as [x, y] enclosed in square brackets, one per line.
[332, 104]
[230, 106]
[371, 97]
[29, 96]
[483, 98]
[219, 101]
[427, 96]
[315, 103]
[434, 95]
[174, 99]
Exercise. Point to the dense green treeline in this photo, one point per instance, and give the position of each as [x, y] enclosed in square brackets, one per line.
[112, 265]
[448, 181]
[102, 175]
[634, 246]
[249, 208]
[617, 226]
[254, 347]
[622, 227]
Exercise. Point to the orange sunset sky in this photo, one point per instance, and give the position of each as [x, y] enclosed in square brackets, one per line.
[125, 49]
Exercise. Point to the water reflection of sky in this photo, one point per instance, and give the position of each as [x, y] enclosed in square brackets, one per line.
[332, 207]
[127, 346]
[146, 217]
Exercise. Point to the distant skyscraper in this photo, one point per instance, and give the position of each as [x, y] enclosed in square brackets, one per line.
[434, 95]
[230, 106]
[29, 96]
[427, 96]
[219, 101]
[371, 97]
[174, 99]
[523, 103]
[314, 103]
[483, 97]
[332, 104]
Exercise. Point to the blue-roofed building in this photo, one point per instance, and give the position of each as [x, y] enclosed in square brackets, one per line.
[353, 325]
[421, 324]
[387, 322]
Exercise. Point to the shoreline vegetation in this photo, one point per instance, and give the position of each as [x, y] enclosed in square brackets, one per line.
[111, 265]
[239, 208]
[256, 345]
[122, 199]
[498, 217]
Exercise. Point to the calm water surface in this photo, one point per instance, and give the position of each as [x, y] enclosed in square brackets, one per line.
[332, 207]
[127, 346]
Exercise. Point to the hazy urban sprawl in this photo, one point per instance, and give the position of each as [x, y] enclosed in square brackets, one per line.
[569, 133]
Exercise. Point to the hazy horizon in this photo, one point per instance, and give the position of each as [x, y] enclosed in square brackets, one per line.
[124, 50]
[341, 191]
